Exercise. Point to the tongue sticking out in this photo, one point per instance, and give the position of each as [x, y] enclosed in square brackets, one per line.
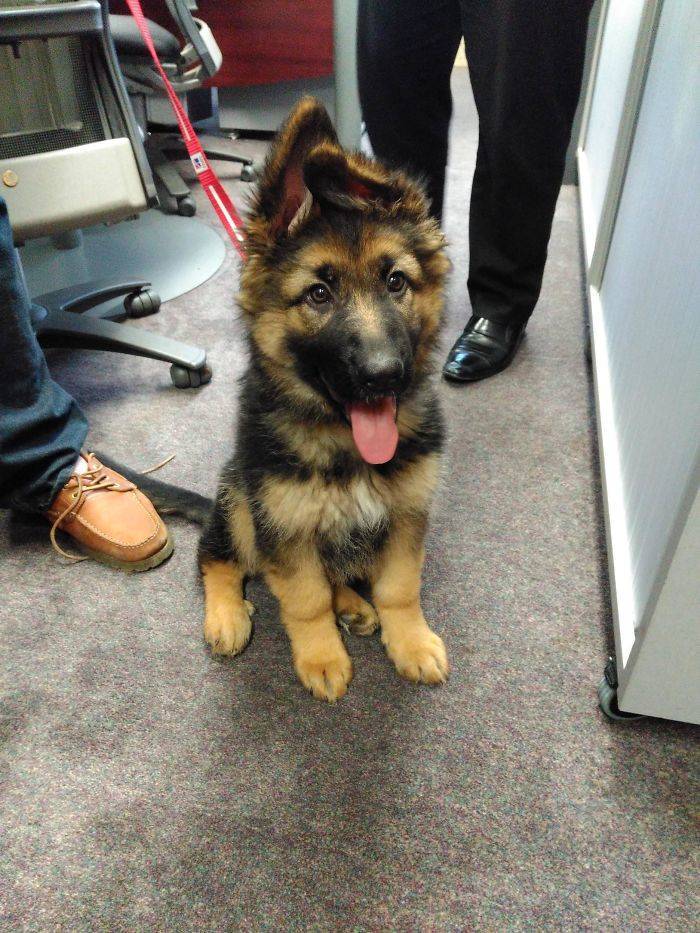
[374, 429]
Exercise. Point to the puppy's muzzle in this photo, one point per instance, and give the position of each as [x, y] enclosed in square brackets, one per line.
[380, 373]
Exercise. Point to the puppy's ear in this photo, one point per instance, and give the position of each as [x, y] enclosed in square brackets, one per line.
[349, 181]
[282, 194]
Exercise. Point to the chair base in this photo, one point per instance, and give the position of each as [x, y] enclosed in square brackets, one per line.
[175, 254]
[79, 318]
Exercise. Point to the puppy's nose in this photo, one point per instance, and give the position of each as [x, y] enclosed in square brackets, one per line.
[381, 371]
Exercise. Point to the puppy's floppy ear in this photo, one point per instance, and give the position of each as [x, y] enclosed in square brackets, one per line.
[282, 191]
[351, 181]
[348, 180]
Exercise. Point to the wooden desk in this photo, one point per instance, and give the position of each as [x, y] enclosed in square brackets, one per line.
[262, 41]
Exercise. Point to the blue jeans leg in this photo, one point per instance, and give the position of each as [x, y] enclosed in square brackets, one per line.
[42, 430]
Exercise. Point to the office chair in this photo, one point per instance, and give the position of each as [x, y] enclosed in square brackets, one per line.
[70, 157]
[187, 68]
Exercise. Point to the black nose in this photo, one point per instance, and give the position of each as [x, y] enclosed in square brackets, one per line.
[381, 371]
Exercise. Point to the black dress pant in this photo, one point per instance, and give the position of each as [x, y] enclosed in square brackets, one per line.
[525, 62]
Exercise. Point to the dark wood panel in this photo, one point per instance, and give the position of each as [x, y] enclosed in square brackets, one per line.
[263, 41]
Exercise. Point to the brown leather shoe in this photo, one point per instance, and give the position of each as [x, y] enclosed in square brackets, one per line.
[110, 519]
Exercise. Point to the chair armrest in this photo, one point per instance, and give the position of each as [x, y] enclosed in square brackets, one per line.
[201, 45]
[127, 39]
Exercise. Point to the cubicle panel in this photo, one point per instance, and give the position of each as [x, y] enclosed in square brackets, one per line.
[621, 20]
[650, 307]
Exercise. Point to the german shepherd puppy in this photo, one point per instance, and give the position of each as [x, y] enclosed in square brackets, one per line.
[339, 434]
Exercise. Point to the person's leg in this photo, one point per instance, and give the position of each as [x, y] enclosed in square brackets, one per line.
[405, 53]
[525, 63]
[42, 430]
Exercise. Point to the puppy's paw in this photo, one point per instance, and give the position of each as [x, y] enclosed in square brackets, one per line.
[326, 674]
[364, 622]
[354, 613]
[418, 654]
[227, 628]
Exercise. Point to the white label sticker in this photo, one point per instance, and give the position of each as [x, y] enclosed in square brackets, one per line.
[198, 162]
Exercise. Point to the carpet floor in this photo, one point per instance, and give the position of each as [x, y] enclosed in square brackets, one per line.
[147, 786]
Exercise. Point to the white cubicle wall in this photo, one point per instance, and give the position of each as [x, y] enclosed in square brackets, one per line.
[639, 162]
[613, 67]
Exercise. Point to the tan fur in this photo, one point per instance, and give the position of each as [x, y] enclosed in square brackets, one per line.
[417, 652]
[353, 611]
[305, 508]
[410, 491]
[227, 624]
[306, 607]
[315, 506]
[243, 534]
[316, 446]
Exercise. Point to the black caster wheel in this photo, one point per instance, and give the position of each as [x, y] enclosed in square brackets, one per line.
[186, 207]
[189, 378]
[142, 303]
[607, 696]
[249, 173]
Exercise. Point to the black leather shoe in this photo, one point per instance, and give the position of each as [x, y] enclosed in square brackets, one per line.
[484, 349]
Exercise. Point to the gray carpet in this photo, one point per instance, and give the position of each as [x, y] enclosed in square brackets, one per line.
[146, 786]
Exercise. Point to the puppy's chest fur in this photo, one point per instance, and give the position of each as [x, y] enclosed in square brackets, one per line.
[320, 507]
[347, 518]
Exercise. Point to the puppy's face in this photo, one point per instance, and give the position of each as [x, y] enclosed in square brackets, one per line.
[344, 284]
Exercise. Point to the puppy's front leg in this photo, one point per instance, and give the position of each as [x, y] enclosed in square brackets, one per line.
[306, 608]
[417, 652]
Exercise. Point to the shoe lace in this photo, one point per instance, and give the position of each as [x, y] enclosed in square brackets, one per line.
[89, 481]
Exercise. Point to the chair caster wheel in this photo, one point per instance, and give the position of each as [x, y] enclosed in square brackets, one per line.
[186, 206]
[249, 173]
[607, 696]
[141, 304]
[189, 378]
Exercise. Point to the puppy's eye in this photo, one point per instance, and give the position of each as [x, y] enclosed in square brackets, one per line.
[396, 282]
[319, 294]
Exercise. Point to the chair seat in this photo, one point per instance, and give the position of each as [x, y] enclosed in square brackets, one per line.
[128, 41]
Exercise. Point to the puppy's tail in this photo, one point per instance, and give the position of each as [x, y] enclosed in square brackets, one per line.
[168, 499]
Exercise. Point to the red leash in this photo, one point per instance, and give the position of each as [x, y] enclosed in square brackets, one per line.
[220, 201]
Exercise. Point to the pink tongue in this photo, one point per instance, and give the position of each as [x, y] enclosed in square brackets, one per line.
[374, 429]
